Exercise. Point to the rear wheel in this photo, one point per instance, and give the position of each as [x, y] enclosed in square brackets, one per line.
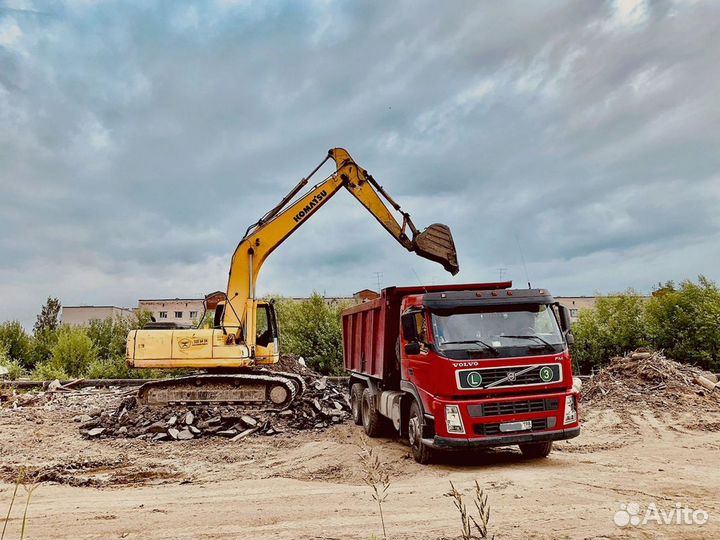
[356, 396]
[416, 425]
[536, 450]
[373, 422]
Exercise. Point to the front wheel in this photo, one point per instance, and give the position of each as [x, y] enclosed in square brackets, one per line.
[536, 450]
[416, 424]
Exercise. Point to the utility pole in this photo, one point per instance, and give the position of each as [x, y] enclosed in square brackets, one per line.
[502, 271]
[378, 276]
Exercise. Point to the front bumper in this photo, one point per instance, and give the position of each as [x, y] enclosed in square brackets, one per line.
[483, 420]
[505, 440]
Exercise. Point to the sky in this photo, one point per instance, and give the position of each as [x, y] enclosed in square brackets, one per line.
[572, 144]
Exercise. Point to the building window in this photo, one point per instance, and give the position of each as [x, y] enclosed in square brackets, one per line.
[178, 314]
[163, 314]
[193, 314]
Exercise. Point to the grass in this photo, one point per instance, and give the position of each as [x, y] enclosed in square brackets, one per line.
[472, 528]
[377, 477]
[29, 483]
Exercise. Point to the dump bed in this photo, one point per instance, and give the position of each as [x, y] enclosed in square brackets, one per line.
[371, 330]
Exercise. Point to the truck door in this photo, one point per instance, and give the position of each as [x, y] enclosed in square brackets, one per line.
[415, 364]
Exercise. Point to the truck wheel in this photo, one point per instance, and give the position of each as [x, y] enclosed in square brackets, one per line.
[416, 424]
[356, 393]
[536, 450]
[372, 420]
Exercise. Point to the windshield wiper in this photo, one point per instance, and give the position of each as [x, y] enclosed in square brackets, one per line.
[476, 342]
[533, 336]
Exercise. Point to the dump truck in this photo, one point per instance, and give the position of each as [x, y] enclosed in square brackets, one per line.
[462, 366]
[245, 335]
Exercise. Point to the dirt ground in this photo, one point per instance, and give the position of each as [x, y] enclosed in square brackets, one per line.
[310, 485]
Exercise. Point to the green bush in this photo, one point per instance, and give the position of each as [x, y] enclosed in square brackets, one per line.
[114, 368]
[74, 351]
[616, 325]
[48, 371]
[683, 321]
[686, 322]
[312, 329]
[17, 342]
[109, 337]
[15, 370]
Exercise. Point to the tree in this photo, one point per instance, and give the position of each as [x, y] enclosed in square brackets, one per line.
[686, 322]
[109, 336]
[45, 332]
[312, 329]
[73, 352]
[16, 342]
[615, 326]
[48, 319]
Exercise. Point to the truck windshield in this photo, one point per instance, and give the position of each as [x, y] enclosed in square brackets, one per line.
[496, 331]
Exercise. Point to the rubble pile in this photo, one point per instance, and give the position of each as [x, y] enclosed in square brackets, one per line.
[323, 404]
[649, 378]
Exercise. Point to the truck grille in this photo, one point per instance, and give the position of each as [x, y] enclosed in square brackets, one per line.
[504, 377]
[539, 424]
[513, 407]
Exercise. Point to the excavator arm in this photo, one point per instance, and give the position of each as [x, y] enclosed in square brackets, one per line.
[434, 243]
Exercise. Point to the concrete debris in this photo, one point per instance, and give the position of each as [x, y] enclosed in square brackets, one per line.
[113, 412]
[185, 435]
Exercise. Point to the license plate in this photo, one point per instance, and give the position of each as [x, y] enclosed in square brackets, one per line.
[516, 426]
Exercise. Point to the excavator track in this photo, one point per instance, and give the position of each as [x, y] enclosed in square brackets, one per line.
[260, 391]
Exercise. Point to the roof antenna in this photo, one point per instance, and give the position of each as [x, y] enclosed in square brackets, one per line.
[522, 258]
[418, 278]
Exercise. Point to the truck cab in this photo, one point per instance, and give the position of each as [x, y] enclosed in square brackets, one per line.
[474, 365]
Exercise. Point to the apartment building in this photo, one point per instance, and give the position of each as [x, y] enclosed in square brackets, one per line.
[177, 310]
[82, 315]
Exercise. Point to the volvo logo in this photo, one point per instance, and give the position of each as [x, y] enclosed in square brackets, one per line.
[511, 376]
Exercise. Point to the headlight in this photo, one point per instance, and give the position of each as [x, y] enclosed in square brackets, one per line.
[570, 410]
[453, 420]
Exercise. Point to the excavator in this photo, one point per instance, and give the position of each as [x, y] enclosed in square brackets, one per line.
[244, 337]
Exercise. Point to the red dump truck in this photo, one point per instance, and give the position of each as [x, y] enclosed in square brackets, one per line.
[462, 366]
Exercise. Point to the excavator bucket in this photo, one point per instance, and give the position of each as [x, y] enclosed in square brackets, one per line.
[436, 243]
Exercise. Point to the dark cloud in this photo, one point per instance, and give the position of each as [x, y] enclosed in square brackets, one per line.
[138, 141]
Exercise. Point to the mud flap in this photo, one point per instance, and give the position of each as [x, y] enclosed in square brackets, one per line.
[436, 244]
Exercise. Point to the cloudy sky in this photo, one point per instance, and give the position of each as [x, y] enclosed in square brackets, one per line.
[138, 140]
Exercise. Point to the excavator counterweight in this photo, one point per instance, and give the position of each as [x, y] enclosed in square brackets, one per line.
[245, 334]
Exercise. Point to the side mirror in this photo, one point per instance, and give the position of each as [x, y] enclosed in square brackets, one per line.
[564, 314]
[412, 348]
[565, 324]
[409, 327]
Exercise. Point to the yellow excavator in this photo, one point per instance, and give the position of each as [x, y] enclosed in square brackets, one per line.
[245, 333]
